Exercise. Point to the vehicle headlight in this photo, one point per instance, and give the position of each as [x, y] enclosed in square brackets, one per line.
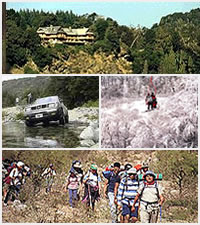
[52, 105]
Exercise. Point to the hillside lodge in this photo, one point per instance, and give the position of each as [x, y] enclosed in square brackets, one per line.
[57, 34]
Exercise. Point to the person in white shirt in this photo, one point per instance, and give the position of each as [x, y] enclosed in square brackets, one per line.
[49, 175]
[150, 194]
[16, 176]
[92, 186]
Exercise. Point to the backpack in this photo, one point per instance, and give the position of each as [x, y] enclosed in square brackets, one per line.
[150, 99]
[12, 166]
[7, 180]
[96, 175]
[156, 186]
[69, 175]
[138, 167]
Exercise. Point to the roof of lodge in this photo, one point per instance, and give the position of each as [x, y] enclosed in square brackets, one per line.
[59, 29]
[49, 30]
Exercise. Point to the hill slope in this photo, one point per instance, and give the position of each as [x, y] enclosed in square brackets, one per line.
[54, 207]
[170, 47]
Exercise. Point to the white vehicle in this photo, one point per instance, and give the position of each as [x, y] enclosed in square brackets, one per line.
[45, 110]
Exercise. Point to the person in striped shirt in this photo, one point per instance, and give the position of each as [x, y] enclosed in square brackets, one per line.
[126, 194]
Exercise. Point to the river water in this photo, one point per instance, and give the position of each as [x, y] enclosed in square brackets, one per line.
[18, 135]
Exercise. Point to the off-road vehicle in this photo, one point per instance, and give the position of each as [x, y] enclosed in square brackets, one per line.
[45, 110]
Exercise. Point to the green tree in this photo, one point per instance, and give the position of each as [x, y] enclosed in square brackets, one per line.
[8, 100]
[15, 40]
[190, 65]
[100, 28]
[42, 56]
[168, 64]
[32, 39]
[112, 38]
[145, 69]
[179, 167]
[126, 35]
[75, 91]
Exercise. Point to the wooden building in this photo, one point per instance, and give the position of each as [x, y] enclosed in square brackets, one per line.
[57, 34]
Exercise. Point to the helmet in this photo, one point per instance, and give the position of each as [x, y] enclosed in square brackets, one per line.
[51, 165]
[122, 167]
[132, 171]
[145, 165]
[77, 164]
[93, 167]
[150, 173]
[128, 166]
[20, 164]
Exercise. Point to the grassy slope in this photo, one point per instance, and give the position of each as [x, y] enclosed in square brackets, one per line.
[55, 207]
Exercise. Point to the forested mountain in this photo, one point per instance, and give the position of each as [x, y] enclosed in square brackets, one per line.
[75, 91]
[171, 46]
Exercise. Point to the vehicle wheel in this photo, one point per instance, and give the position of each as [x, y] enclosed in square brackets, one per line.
[28, 123]
[67, 119]
[46, 123]
[62, 120]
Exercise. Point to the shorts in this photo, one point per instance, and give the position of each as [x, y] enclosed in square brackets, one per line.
[126, 210]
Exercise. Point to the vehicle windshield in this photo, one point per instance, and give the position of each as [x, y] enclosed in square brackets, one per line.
[46, 100]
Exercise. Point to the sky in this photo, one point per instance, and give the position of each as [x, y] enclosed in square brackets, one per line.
[126, 13]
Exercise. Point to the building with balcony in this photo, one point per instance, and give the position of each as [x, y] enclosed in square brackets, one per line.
[57, 34]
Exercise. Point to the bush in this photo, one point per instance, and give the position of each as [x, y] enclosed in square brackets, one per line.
[20, 116]
[42, 56]
[91, 104]
[28, 70]
[92, 117]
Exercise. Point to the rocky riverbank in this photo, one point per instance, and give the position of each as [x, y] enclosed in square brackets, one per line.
[89, 137]
[85, 119]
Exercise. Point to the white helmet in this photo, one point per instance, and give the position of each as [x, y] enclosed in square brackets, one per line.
[132, 171]
[20, 164]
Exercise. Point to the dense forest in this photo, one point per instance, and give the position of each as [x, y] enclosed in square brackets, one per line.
[172, 46]
[75, 91]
